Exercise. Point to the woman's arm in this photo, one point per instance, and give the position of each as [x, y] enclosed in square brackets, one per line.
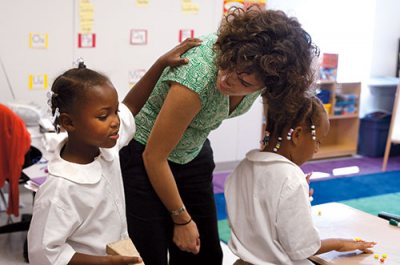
[84, 259]
[180, 107]
[141, 91]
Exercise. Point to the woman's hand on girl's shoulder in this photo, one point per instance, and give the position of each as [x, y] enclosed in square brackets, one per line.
[173, 57]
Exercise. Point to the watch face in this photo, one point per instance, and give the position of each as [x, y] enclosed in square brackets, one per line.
[178, 211]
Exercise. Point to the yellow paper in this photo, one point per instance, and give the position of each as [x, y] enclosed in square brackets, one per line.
[142, 3]
[190, 8]
[38, 40]
[38, 82]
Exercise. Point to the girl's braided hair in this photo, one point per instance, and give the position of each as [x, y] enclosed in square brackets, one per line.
[308, 112]
[70, 88]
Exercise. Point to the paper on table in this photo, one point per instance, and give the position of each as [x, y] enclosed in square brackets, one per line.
[37, 172]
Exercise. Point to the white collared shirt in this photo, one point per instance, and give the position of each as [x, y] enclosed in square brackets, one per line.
[269, 211]
[80, 208]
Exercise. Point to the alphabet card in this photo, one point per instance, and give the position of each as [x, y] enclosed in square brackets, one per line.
[38, 40]
[185, 33]
[38, 82]
[138, 36]
[135, 76]
[86, 40]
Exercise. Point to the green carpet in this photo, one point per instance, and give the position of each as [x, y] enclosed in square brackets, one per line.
[372, 205]
[376, 204]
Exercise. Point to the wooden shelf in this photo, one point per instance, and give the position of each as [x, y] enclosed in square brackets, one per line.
[344, 116]
[335, 151]
[343, 134]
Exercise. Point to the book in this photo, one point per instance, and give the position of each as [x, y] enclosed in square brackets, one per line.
[124, 247]
[329, 66]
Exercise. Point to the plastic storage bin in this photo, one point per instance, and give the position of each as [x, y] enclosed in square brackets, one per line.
[374, 129]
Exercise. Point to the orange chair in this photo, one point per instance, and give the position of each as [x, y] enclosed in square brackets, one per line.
[15, 142]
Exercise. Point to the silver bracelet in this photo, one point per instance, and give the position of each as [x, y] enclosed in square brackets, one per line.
[178, 211]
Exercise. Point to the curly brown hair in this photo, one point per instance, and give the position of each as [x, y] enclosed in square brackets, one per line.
[271, 45]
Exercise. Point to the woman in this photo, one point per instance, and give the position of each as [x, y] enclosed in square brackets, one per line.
[167, 168]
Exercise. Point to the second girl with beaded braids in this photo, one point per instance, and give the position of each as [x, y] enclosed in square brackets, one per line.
[81, 206]
[267, 195]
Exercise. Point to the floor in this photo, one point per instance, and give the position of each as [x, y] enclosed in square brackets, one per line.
[11, 244]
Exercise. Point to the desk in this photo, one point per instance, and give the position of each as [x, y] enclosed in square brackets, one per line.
[337, 220]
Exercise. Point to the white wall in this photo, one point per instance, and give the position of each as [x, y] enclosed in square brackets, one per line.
[364, 33]
[113, 54]
[383, 59]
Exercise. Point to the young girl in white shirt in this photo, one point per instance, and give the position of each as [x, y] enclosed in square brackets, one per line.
[81, 206]
[267, 195]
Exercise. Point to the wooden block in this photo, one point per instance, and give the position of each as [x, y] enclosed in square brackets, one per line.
[124, 247]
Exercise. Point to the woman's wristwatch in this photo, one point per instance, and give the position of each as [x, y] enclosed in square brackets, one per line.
[177, 211]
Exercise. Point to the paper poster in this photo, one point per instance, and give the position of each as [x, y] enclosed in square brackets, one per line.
[185, 33]
[243, 4]
[38, 40]
[188, 7]
[86, 40]
[142, 3]
[38, 82]
[86, 16]
[138, 37]
[135, 76]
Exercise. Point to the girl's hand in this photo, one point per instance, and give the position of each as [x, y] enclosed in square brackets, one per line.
[350, 245]
[187, 238]
[173, 57]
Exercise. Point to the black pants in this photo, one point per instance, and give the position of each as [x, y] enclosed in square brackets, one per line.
[149, 223]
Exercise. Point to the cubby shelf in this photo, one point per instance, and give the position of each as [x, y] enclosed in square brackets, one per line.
[343, 134]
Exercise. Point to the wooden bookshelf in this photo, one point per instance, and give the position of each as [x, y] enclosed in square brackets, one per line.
[343, 134]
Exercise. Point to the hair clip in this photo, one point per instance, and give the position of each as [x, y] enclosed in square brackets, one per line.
[265, 140]
[49, 94]
[278, 144]
[289, 134]
[79, 63]
[55, 115]
[313, 132]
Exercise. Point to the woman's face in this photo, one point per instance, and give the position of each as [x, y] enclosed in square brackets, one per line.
[231, 83]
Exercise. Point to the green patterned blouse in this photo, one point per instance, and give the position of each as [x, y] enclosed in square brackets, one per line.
[199, 75]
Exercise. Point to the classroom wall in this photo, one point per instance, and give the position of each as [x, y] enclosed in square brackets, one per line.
[113, 53]
[361, 31]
